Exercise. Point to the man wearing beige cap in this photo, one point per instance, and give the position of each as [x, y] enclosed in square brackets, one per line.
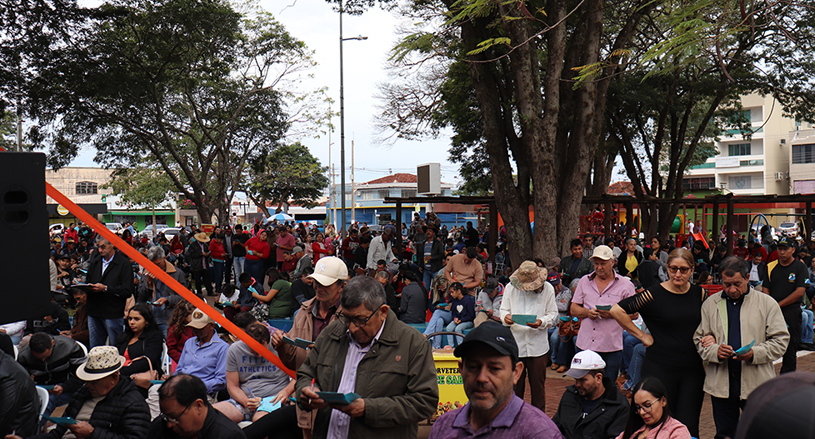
[330, 275]
[593, 298]
[107, 406]
[204, 355]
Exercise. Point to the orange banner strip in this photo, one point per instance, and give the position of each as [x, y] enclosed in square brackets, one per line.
[127, 249]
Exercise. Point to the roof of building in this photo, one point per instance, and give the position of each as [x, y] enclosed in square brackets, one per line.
[621, 188]
[395, 178]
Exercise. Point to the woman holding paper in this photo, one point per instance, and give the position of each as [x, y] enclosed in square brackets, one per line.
[254, 384]
[532, 300]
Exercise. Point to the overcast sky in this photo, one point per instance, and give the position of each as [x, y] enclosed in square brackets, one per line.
[315, 23]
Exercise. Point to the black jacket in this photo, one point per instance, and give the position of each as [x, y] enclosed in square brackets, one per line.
[606, 420]
[118, 278]
[122, 414]
[59, 321]
[19, 405]
[149, 345]
[436, 255]
[216, 426]
[59, 368]
[195, 255]
[623, 257]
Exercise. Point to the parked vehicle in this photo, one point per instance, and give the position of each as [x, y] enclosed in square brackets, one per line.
[115, 227]
[148, 231]
[56, 229]
[789, 229]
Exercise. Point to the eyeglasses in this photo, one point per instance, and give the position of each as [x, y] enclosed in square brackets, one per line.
[360, 323]
[175, 420]
[646, 406]
[674, 269]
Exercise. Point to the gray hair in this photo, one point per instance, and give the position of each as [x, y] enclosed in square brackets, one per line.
[155, 253]
[100, 239]
[382, 275]
[732, 265]
[363, 290]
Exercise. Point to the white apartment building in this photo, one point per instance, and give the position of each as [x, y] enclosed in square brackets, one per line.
[802, 162]
[759, 166]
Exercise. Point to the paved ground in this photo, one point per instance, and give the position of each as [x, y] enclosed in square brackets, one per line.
[556, 384]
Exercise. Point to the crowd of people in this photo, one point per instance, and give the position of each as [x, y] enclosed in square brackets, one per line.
[633, 322]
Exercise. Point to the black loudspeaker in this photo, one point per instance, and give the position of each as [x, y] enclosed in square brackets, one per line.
[25, 288]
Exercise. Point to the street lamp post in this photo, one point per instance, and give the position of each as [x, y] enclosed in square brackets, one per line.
[342, 127]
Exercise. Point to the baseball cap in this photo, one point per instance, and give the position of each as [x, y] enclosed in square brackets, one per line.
[602, 252]
[329, 270]
[199, 319]
[490, 285]
[494, 335]
[553, 278]
[296, 249]
[585, 361]
[785, 242]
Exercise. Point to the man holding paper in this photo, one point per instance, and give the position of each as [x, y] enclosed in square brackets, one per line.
[735, 319]
[370, 353]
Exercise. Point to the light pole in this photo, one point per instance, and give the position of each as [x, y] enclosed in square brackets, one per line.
[342, 126]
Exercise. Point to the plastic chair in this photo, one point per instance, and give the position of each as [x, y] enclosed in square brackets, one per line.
[16, 351]
[166, 361]
[44, 395]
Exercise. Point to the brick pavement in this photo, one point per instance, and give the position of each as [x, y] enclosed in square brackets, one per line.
[556, 384]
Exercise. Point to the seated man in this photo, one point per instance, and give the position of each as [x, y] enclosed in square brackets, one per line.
[250, 377]
[107, 405]
[204, 356]
[79, 330]
[52, 323]
[592, 407]
[186, 413]
[19, 406]
[53, 361]
[489, 369]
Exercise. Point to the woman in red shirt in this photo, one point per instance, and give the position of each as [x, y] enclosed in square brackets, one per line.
[218, 255]
[257, 250]
[177, 331]
[319, 248]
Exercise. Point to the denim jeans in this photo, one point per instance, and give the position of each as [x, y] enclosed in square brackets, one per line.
[806, 325]
[629, 342]
[238, 267]
[635, 367]
[438, 321]
[560, 351]
[459, 327]
[101, 330]
[54, 402]
[218, 274]
[427, 278]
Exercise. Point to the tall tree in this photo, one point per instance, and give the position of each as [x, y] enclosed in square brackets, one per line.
[288, 175]
[199, 88]
[142, 188]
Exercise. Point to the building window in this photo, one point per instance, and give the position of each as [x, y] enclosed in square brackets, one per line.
[368, 195]
[803, 153]
[738, 149]
[85, 188]
[384, 193]
[699, 183]
[128, 219]
[408, 193]
[740, 182]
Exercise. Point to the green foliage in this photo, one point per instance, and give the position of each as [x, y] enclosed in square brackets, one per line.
[289, 175]
[141, 187]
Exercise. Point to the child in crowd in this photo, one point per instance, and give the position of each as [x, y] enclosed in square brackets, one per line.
[463, 311]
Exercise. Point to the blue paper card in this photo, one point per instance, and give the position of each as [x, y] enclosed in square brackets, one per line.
[46, 386]
[156, 381]
[336, 398]
[61, 421]
[298, 342]
[522, 319]
[743, 350]
[604, 307]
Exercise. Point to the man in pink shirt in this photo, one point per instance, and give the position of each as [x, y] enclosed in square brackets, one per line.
[285, 241]
[593, 298]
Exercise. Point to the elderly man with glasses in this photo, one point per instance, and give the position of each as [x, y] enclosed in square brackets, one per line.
[386, 364]
[186, 413]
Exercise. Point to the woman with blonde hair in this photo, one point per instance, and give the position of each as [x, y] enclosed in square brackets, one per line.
[672, 311]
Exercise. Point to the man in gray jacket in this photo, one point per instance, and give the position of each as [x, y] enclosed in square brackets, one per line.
[748, 333]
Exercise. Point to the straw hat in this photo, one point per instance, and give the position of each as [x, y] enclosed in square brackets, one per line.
[201, 237]
[528, 277]
[102, 361]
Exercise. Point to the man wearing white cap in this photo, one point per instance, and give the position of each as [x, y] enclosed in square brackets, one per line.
[107, 406]
[592, 407]
[330, 275]
[592, 301]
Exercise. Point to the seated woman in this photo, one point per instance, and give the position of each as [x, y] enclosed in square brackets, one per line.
[276, 303]
[250, 378]
[650, 414]
[140, 341]
[463, 311]
[178, 332]
[441, 311]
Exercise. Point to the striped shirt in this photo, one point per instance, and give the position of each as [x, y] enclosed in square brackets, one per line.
[340, 422]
